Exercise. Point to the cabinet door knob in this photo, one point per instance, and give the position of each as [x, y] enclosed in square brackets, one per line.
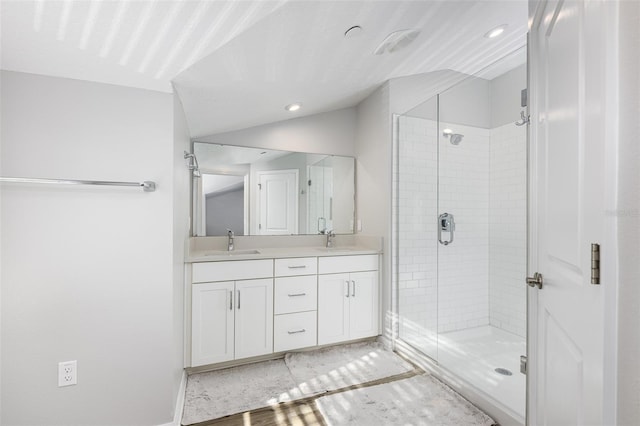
[353, 292]
[347, 283]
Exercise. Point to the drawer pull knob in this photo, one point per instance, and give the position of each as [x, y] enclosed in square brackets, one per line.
[296, 331]
[297, 294]
[297, 267]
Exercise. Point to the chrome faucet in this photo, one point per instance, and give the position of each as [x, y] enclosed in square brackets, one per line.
[230, 246]
[330, 235]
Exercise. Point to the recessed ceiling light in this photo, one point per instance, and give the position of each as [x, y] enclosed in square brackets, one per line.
[447, 131]
[495, 32]
[293, 107]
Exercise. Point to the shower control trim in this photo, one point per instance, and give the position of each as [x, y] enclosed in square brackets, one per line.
[446, 223]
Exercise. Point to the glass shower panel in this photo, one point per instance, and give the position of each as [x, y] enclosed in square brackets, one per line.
[463, 194]
[416, 188]
[482, 188]
[460, 191]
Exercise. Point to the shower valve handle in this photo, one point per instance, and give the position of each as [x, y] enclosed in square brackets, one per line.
[446, 223]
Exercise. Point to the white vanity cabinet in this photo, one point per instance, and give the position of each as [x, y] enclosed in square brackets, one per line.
[348, 306]
[231, 319]
[247, 308]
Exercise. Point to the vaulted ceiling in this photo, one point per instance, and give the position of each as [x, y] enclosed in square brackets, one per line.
[236, 64]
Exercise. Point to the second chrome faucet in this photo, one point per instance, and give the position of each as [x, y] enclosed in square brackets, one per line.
[330, 235]
[230, 246]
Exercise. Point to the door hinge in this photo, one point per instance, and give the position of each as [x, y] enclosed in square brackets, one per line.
[259, 226]
[523, 364]
[595, 263]
[309, 182]
[260, 186]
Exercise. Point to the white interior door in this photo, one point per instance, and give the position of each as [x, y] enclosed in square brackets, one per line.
[278, 202]
[566, 315]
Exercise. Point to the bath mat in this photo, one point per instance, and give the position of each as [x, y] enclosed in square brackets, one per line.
[234, 390]
[420, 400]
[341, 366]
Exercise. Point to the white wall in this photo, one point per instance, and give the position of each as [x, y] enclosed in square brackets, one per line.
[508, 228]
[181, 224]
[327, 133]
[407, 95]
[373, 185]
[628, 215]
[505, 96]
[88, 273]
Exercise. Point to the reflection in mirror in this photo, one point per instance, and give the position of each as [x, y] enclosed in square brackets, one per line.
[256, 191]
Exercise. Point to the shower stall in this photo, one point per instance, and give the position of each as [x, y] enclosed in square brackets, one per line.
[460, 229]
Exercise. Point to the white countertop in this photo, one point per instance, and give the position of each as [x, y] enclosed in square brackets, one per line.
[273, 253]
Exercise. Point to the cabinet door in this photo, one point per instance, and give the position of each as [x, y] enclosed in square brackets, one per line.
[363, 304]
[254, 317]
[333, 308]
[212, 323]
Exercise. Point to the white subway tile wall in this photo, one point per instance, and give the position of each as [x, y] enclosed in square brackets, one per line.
[417, 211]
[508, 229]
[476, 280]
[463, 267]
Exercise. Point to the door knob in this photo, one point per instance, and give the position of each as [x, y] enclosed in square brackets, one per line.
[535, 281]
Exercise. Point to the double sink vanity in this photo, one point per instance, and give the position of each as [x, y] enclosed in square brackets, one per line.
[255, 302]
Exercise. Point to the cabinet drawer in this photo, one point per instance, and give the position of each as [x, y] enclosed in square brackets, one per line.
[296, 266]
[294, 331]
[338, 264]
[232, 270]
[296, 294]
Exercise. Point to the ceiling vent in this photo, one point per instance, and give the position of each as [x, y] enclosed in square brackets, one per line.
[395, 41]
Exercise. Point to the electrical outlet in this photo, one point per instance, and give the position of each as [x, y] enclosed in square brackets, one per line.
[67, 373]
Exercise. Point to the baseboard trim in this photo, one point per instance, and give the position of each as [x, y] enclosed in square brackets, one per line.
[177, 416]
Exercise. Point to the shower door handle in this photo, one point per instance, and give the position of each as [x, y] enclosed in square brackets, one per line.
[446, 223]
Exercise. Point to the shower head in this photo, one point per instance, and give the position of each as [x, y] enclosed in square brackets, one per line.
[454, 138]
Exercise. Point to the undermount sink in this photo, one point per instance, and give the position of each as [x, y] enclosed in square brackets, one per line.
[231, 253]
[331, 249]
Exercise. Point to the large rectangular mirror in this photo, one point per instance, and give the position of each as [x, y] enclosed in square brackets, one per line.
[254, 191]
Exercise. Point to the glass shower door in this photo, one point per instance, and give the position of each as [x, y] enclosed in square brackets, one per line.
[416, 263]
